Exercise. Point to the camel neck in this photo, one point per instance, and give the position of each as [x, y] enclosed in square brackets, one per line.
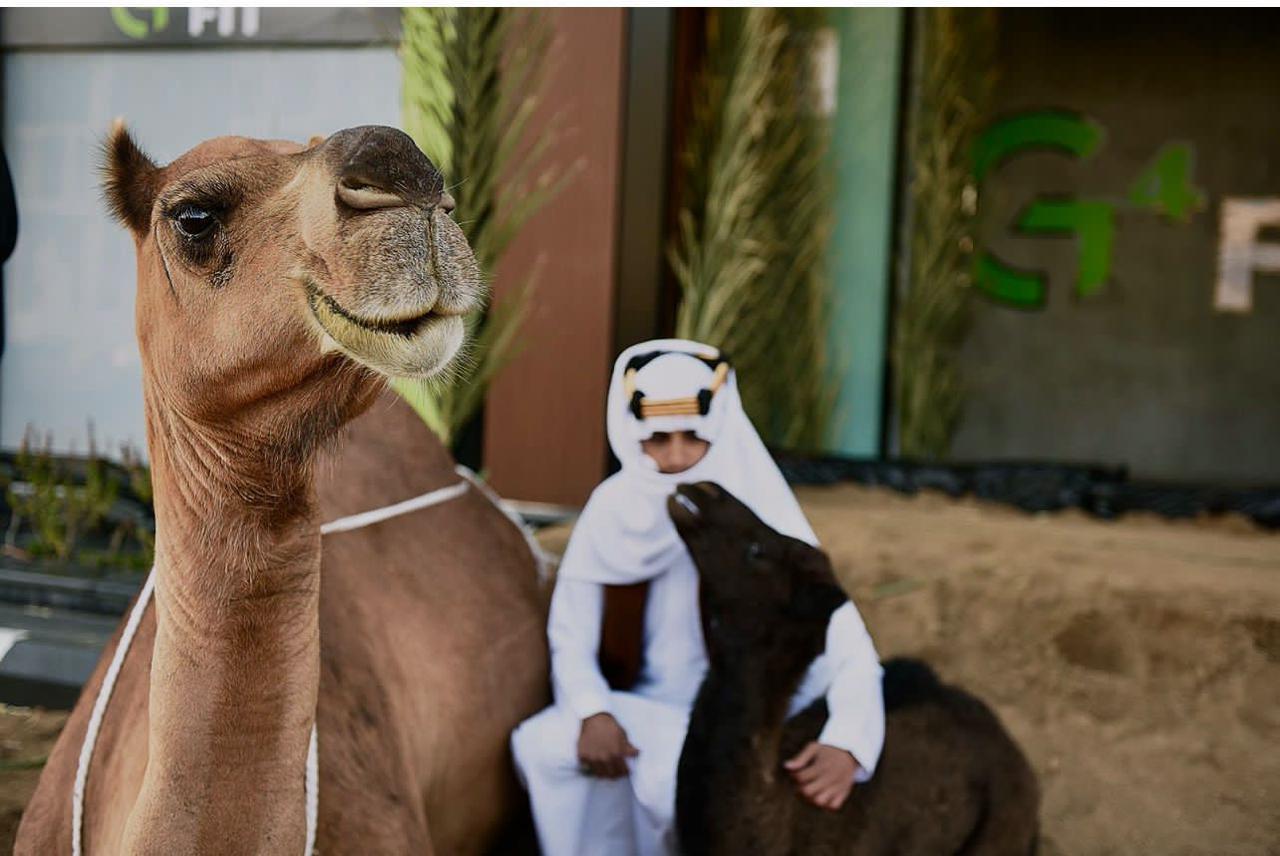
[235, 667]
[731, 758]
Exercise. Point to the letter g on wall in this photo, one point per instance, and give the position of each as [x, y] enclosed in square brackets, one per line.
[1092, 222]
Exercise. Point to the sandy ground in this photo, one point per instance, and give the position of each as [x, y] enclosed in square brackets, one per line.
[1138, 662]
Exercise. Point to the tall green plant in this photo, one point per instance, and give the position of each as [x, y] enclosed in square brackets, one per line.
[471, 83]
[755, 219]
[933, 315]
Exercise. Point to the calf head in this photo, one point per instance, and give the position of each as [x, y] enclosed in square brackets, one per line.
[763, 593]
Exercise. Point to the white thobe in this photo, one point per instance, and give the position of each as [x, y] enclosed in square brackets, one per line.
[578, 815]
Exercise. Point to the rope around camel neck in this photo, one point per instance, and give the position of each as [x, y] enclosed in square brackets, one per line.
[312, 776]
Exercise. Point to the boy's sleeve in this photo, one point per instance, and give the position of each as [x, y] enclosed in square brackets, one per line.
[573, 630]
[855, 701]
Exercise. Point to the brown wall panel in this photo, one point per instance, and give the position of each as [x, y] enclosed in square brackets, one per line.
[544, 423]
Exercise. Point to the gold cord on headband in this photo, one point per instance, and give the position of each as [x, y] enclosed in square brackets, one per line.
[694, 405]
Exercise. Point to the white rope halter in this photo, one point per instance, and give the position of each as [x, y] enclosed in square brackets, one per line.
[342, 524]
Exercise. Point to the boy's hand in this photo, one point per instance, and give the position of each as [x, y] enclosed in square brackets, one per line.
[603, 747]
[823, 774]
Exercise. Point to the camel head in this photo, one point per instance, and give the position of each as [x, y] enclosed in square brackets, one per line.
[763, 593]
[273, 276]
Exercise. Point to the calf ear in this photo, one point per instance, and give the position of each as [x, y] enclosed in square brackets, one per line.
[819, 594]
[130, 179]
[813, 564]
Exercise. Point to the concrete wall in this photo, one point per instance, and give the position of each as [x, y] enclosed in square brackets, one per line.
[1144, 370]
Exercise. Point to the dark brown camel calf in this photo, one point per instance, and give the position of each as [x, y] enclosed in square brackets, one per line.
[950, 779]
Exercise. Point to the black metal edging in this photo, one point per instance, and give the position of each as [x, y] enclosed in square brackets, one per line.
[55, 591]
[1105, 492]
[644, 161]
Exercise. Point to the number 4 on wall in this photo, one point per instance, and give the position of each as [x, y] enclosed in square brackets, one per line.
[1164, 185]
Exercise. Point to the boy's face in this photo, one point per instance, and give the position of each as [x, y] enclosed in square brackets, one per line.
[675, 452]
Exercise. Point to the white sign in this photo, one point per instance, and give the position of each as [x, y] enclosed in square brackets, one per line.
[225, 17]
[1240, 252]
[825, 58]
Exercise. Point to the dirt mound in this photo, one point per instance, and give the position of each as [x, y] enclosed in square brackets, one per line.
[1136, 662]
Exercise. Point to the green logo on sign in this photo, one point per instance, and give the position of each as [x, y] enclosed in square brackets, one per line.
[1164, 186]
[138, 28]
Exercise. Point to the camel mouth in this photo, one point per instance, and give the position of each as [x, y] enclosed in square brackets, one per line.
[684, 511]
[417, 345]
[407, 326]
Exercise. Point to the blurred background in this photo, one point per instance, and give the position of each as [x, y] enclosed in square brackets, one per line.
[1027, 255]
[1099, 287]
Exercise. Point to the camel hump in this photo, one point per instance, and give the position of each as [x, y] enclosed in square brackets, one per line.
[908, 681]
[389, 455]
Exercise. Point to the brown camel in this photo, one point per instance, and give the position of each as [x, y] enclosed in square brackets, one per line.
[276, 284]
[949, 781]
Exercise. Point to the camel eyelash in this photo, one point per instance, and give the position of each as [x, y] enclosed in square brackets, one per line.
[218, 210]
[212, 194]
[199, 237]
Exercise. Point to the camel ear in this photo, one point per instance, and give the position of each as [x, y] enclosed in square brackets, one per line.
[820, 593]
[814, 564]
[316, 139]
[130, 179]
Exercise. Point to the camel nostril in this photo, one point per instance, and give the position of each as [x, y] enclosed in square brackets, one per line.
[375, 165]
[356, 191]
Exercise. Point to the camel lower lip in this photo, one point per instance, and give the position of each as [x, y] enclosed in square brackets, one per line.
[416, 347]
[401, 327]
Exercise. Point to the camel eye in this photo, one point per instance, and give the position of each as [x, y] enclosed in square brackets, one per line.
[194, 222]
[755, 552]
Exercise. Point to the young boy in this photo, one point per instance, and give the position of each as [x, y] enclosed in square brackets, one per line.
[600, 764]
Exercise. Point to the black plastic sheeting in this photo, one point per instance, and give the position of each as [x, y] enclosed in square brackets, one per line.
[1105, 492]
